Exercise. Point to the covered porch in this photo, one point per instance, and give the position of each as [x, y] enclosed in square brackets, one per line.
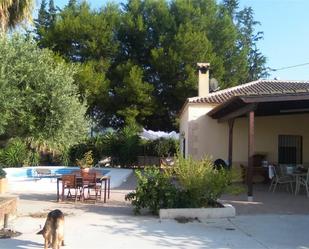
[275, 124]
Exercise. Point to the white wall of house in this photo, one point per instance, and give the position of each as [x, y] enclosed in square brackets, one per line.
[205, 136]
[267, 130]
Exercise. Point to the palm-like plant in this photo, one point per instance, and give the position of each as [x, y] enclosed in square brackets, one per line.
[12, 12]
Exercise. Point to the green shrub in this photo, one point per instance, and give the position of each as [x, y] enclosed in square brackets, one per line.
[2, 173]
[86, 161]
[197, 184]
[33, 158]
[166, 146]
[64, 157]
[15, 154]
[200, 182]
[154, 191]
[107, 143]
[161, 147]
[78, 151]
[123, 145]
[128, 146]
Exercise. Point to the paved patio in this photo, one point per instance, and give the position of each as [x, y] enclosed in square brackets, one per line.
[113, 225]
[265, 202]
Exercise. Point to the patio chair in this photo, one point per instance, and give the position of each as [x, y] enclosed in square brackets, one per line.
[280, 179]
[69, 183]
[90, 185]
[42, 172]
[304, 181]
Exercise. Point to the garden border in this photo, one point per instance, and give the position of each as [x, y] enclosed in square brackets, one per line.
[228, 211]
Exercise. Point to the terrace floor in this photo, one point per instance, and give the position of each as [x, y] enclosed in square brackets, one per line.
[265, 202]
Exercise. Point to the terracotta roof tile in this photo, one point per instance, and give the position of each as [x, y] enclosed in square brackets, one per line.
[259, 87]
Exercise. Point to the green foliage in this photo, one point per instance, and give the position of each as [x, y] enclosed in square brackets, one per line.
[248, 38]
[197, 184]
[64, 157]
[133, 96]
[15, 154]
[2, 173]
[122, 145]
[154, 191]
[86, 161]
[33, 158]
[161, 147]
[138, 60]
[38, 99]
[77, 151]
[200, 181]
[166, 147]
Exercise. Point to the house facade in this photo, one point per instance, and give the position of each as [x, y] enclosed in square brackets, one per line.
[268, 117]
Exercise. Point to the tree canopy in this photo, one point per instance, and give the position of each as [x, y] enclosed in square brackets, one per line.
[38, 99]
[137, 61]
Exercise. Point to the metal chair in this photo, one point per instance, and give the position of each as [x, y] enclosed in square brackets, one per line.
[279, 178]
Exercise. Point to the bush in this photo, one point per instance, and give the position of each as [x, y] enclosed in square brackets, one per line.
[78, 151]
[200, 182]
[154, 191]
[161, 147]
[33, 158]
[122, 145]
[15, 154]
[166, 146]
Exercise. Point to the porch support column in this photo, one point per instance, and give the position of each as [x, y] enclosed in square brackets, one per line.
[250, 155]
[230, 156]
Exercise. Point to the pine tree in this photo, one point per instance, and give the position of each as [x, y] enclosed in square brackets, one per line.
[72, 3]
[230, 6]
[42, 22]
[52, 12]
[138, 62]
[249, 39]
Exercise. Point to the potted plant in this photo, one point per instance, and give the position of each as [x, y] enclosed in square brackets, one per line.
[86, 162]
[3, 181]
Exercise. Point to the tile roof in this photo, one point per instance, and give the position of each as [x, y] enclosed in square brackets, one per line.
[255, 88]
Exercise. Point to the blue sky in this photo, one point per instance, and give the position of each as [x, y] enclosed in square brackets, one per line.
[285, 24]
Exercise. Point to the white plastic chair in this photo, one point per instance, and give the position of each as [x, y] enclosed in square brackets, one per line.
[304, 181]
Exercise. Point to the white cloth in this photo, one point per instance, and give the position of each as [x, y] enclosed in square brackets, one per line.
[271, 172]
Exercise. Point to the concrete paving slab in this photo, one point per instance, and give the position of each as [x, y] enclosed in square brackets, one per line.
[103, 226]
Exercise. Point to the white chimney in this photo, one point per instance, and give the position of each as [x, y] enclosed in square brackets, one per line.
[203, 79]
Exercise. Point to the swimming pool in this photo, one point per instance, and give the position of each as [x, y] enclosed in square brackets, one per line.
[28, 173]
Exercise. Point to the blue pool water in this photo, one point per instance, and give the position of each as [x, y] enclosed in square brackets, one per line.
[29, 172]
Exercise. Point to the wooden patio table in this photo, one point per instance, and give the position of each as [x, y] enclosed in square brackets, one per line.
[99, 179]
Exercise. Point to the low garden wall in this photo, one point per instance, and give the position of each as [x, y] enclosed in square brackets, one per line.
[228, 211]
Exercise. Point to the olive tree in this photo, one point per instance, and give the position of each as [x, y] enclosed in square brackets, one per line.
[38, 99]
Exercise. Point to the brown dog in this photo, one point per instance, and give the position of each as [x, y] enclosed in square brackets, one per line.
[53, 230]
